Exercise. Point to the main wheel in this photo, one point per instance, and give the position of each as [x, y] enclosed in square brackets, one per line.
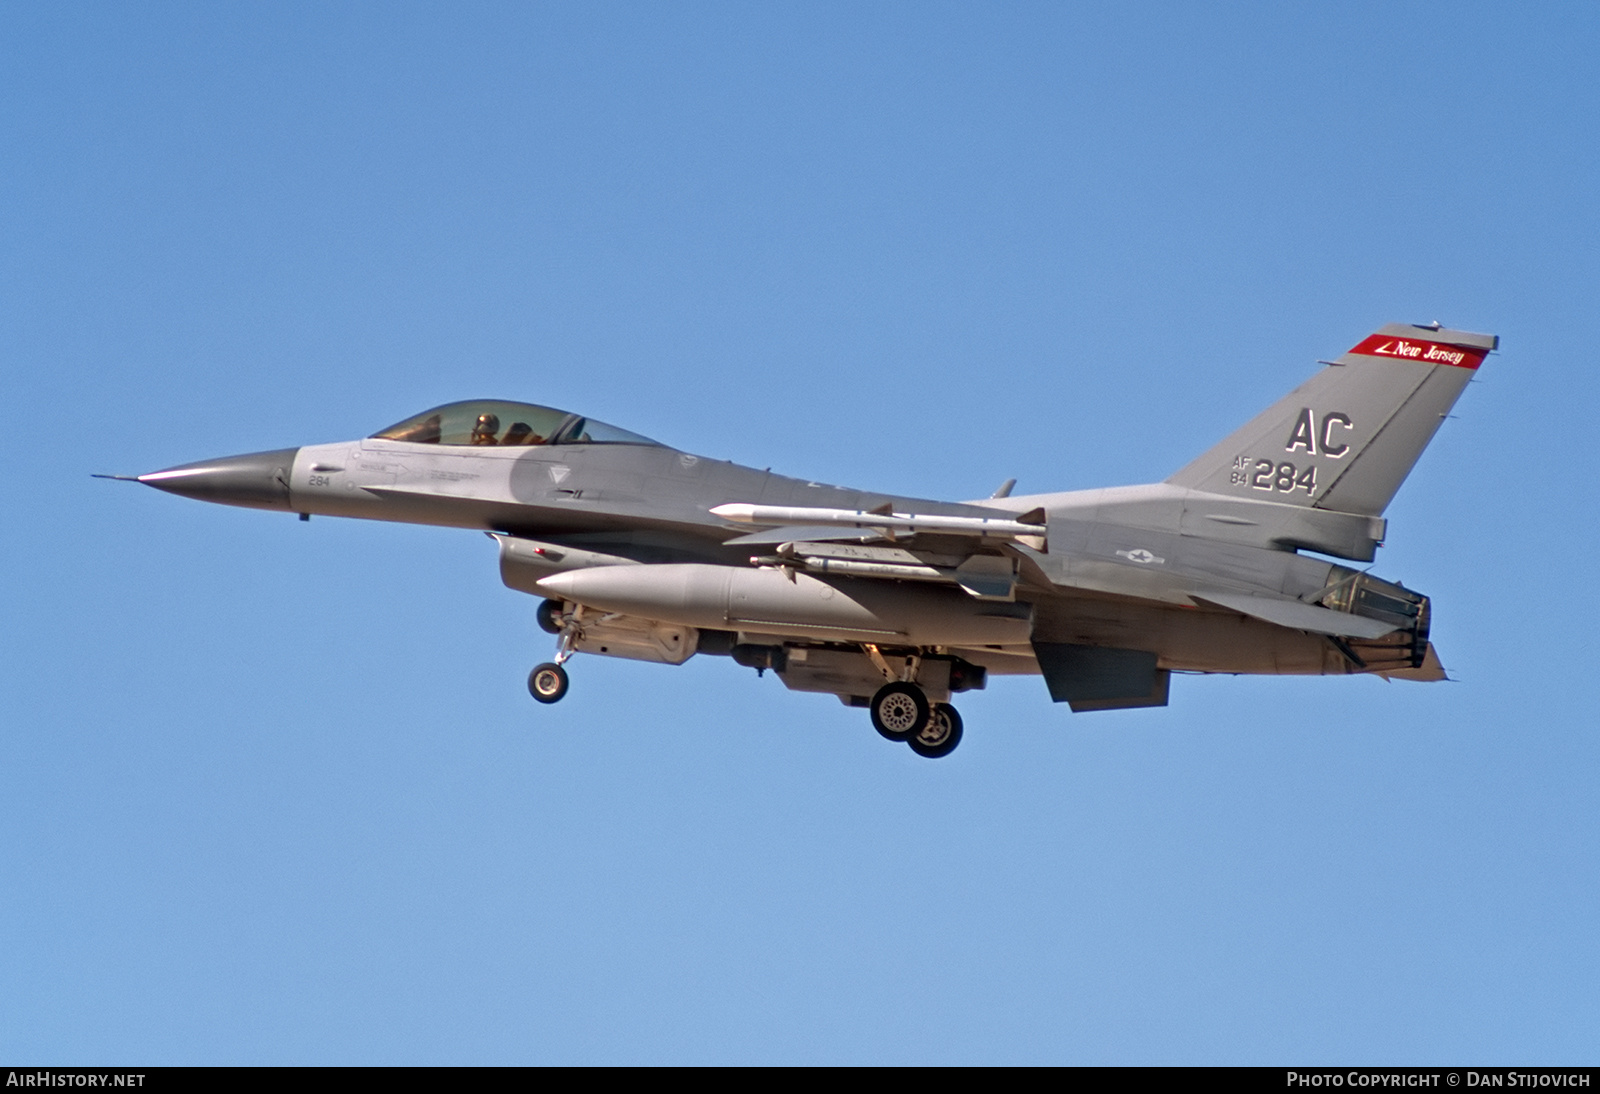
[940, 736]
[549, 616]
[899, 710]
[547, 682]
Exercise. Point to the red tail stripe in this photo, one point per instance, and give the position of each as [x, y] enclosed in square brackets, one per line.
[1416, 349]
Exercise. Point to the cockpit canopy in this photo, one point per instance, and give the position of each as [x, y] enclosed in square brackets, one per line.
[495, 422]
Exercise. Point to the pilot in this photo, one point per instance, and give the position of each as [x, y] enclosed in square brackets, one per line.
[483, 433]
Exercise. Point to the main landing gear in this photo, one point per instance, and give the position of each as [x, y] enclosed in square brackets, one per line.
[940, 736]
[901, 711]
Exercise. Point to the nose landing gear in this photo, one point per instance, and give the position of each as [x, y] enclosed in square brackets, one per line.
[548, 682]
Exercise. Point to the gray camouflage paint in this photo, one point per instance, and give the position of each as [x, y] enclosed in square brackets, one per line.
[1201, 573]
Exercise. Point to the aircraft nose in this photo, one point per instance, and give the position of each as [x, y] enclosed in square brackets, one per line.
[259, 480]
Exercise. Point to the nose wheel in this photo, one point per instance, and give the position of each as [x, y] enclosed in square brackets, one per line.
[548, 682]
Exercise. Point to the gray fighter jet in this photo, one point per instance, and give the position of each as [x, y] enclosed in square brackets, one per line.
[643, 551]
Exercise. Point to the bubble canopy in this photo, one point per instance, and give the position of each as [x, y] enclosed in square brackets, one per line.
[485, 422]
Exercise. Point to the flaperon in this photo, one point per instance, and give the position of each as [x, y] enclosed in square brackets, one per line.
[643, 551]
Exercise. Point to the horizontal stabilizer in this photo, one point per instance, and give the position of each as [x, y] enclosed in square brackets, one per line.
[1090, 678]
[1299, 615]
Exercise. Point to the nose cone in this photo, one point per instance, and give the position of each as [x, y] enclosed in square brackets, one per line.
[259, 480]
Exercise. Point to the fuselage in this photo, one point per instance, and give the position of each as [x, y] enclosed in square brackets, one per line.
[1101, 580]
[643, 551]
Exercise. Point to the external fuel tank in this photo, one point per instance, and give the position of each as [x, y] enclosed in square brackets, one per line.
[798, 604]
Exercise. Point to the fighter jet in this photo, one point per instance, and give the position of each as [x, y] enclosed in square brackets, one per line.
[640, 550]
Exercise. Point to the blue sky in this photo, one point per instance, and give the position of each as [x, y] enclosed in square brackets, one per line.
[274, 792]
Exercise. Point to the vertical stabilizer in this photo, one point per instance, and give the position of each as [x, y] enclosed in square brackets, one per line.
[1348, 437]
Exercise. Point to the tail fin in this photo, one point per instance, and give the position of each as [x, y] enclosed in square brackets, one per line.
[1347, 438]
